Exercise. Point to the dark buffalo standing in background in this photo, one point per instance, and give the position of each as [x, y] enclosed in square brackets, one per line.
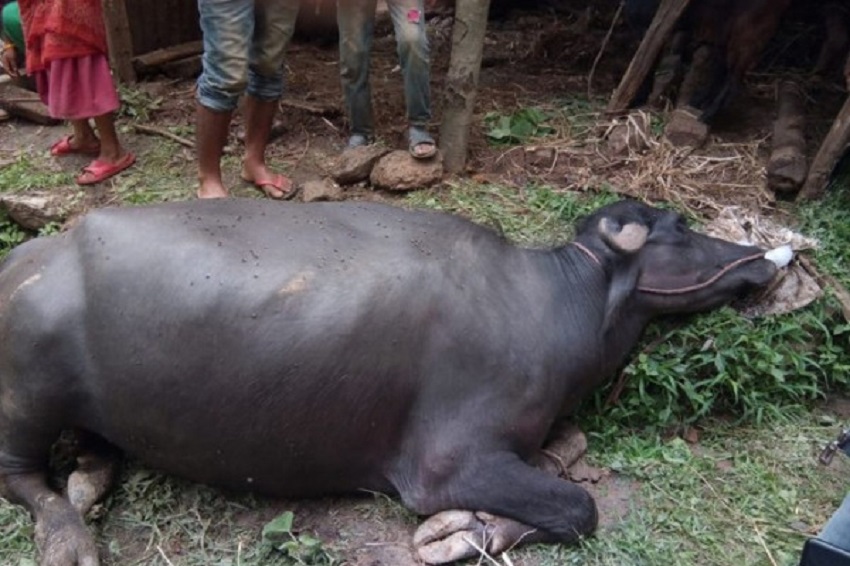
[302, 350]
[728, 36]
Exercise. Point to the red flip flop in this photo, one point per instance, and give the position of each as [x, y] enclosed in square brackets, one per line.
[63, 147]
[273, 183]
[98, 170]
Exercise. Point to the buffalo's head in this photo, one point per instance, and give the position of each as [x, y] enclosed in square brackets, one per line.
[655, 262]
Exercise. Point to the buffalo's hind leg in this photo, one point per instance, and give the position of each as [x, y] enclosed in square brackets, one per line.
[60, 532]
[509, 502]
[97, 467]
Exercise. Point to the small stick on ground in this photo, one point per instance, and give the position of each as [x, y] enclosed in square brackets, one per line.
[316, 109]
[153, 130]
[828, 280]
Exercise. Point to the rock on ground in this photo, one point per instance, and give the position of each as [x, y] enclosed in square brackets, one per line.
[399, 171]
[321, 189]
[34, 211]
[356, 164]
[630, 135]
[685, 129]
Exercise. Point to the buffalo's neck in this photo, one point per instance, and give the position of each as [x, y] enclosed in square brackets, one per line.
[591, 357]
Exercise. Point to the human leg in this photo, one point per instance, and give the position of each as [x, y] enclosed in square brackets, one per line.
[274, 25]
[408, 18]
[356, 21]
[82, 140]
[113, 157]
[259, 115]
[227, 27]
[111, 149]
[211, 130]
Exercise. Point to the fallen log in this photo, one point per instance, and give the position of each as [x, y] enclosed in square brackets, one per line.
[787, 166]
[151, 62]
[25, 104]
[653, 41]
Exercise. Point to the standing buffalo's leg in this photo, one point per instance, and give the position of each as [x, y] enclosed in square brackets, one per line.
[97, 465]
[529, 506]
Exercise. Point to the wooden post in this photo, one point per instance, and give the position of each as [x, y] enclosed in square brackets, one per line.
[653, 41]
[787, 167]
[119, 40]
[461, 87]
[829, 154]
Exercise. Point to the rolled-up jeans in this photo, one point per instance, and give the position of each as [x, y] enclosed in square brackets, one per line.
[356, 20]
[244, 48]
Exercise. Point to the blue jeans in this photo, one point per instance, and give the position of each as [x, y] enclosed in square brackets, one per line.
[356, 19]
[244, 47]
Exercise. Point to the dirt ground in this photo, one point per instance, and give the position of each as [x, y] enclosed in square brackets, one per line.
[538, 59]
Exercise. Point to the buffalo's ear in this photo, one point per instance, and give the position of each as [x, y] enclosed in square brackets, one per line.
[626, 240]
[623, 284]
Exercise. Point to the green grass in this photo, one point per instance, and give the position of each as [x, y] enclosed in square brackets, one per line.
[741, 496]
[33, 172]
[533, 215]
[151, 517]
[16, 535]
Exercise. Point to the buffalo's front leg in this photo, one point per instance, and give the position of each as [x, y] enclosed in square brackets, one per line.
[520, 504]
[452, 535]
[60, 532]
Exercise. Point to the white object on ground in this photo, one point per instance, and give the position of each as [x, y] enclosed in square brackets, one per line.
[780, 256]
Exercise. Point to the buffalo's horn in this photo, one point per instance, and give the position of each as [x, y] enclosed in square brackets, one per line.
[629, 239]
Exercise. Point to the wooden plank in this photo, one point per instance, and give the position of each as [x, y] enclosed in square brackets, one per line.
[828, 155]
[119, 40]
[653, 41]
[24, 103]
[151, 62]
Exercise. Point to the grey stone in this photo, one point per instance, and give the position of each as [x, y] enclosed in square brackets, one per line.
[320, 189]
[355, 164]
[34, 211]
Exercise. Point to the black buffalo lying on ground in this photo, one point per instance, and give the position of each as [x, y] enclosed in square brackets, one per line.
[300, 350]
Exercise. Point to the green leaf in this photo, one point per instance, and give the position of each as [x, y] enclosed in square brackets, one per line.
[279, 529]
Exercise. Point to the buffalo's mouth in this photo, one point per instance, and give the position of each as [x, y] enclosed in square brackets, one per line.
[744, 273]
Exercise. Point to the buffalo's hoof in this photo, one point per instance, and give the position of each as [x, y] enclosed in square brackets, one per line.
[90, 481]
[455, 535]
[62, 537]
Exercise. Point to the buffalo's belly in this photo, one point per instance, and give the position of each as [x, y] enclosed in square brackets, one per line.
[297, 459]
